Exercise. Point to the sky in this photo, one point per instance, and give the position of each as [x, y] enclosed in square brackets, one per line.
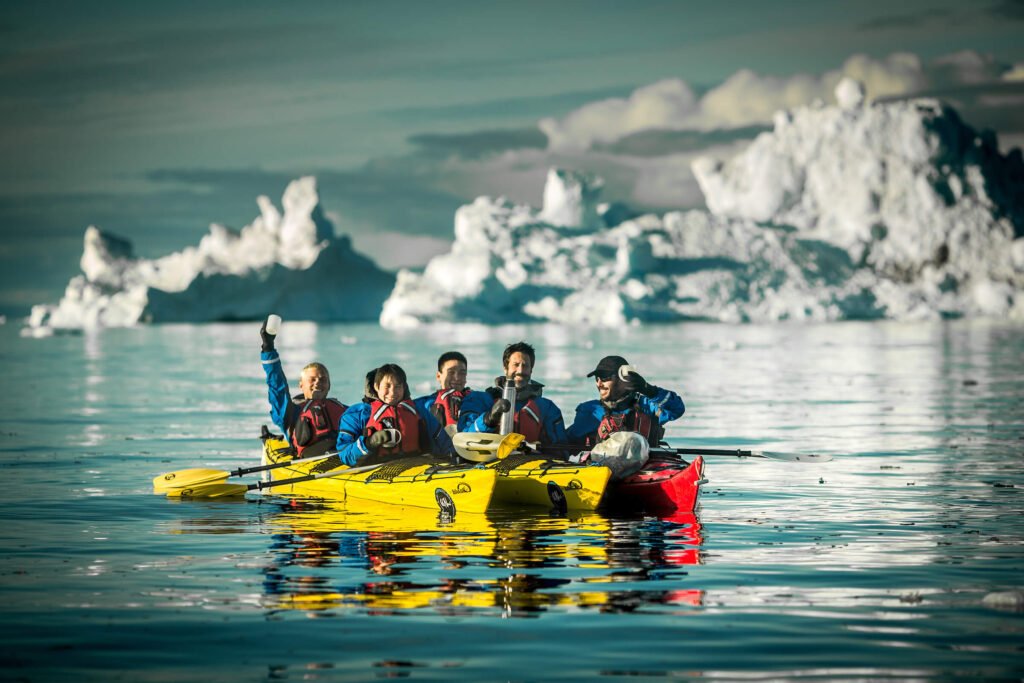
[153, 120]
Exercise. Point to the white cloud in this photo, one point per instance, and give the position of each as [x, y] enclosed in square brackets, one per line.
[1015, 74]
[652, 106]
[748, 98]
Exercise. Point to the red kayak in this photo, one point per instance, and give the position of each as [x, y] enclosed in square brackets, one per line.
[663, 484]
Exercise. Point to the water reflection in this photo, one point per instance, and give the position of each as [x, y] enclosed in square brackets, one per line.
[325, 558]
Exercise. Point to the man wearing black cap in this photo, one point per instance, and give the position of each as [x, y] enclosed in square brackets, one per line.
[625, 403]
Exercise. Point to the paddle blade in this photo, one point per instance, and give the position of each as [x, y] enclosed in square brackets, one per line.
[478, 446]
[212, 490]
[508, 444]
[797, 457]
[187, 478]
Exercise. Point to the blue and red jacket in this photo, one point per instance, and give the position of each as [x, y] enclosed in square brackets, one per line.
[450, 399]
[537, 415]
[593, 418]
[322, 415]
[352, 432]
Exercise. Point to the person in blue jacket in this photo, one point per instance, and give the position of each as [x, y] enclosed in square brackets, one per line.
[387, 425]
[536, 417]
[446, 403]
[310, 419]
[626, 402]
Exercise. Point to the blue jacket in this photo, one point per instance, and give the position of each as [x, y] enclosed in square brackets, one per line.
[665, 405]
[283, 411]
[352, 442]
[476, 406]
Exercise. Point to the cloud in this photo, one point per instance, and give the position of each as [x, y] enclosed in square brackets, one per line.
[477, 144]
[748, 99]
[652, 106]
[655, 143]
[904, 21]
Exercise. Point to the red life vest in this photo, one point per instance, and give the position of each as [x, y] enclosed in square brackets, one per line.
[402, 417]
[633, 420]
[450, 401]
[317, 422]
[528, 421]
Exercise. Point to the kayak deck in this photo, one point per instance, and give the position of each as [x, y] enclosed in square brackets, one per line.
[418, 481]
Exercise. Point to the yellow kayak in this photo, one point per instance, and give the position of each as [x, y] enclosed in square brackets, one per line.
[418, 481]
[531, 479]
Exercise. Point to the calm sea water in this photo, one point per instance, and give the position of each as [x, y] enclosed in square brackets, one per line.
[875, 565]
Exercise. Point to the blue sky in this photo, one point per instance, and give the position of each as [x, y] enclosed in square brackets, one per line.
[154, 120]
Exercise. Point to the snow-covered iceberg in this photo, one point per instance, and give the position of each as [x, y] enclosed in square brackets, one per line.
[289, 263]
[883, 210]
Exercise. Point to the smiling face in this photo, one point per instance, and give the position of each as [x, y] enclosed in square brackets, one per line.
[519, 368]
[315, 382]
[452, 375]
[389, 390]
[609, 388]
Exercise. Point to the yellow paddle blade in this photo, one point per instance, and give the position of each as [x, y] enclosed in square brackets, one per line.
[509, 443]
[485, 447]
[211, 490]
[187, 478]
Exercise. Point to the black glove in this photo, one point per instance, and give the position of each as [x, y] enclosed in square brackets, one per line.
[378, 439]
[268, 339]
[500, 407]
[634, 382]
[437, 410]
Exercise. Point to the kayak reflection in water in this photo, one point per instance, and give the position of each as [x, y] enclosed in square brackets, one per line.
[626, 403]
[309, 419]
[387, 425]
[535, 417]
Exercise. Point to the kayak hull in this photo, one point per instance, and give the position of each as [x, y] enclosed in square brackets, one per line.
[431, 485]
[662, 485]
[538, 481]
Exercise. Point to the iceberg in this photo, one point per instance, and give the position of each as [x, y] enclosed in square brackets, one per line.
[290, 263]
[855, 211]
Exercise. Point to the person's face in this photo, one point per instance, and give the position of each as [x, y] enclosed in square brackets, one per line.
[519, 368]
[388, 390]
[452, 375]
[314, 383]
[608, 388]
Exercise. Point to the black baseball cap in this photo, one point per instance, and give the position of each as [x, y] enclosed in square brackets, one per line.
[608, 367]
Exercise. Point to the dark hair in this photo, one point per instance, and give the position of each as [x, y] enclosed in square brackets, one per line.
[450, 355]
[518, 347]
[368, 390]
[389, 370]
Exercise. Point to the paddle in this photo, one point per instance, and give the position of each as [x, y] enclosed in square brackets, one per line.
[485, 447]
[222, 489]
[199, 475]
[731, 452]
[739, 453]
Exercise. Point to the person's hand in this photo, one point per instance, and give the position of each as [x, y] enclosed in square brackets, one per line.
[500, 407]
[633, 381]
[379, 439]
[268, 339]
